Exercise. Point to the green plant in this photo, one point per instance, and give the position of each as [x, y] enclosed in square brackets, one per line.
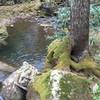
[93, 40]
[94, 16]
[97, 58]
[61, 22]
[96, 92]
[63, 17]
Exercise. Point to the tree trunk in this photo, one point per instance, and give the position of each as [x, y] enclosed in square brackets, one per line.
[79, 26]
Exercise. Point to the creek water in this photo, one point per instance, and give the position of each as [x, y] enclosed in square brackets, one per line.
[26, 42]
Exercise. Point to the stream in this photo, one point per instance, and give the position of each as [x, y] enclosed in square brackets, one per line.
[27, 41]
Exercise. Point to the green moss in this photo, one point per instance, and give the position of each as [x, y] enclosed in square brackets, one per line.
[59, 57]
[42, 86]
[86, 63]
[74, 87]
[59, 53]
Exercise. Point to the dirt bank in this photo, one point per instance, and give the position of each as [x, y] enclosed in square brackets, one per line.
[9, 14]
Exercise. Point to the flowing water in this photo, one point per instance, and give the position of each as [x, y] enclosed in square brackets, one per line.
[26, 42]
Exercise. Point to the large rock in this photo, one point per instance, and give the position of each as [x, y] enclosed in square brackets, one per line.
[60, 85]
[15, 86]
[6, 68]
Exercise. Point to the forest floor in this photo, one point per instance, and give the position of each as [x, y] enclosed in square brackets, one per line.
[8, 14]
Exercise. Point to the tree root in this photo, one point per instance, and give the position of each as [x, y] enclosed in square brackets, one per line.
[88, 65]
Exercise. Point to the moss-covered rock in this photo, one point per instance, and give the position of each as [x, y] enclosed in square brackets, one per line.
[74, 87]
[59, 53]
[40, 88]
[59, 85]
[3, 35]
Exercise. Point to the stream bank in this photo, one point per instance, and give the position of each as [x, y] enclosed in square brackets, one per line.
[10, 14]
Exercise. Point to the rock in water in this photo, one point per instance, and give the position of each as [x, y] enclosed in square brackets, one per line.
[3, 35]
[15, 86]
[6, 68]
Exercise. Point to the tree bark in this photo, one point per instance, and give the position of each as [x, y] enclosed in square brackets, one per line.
[79, 26]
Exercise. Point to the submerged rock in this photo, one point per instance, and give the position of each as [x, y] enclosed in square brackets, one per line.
[15, 86]
[59, 85]
[6, 68]
[3, 35]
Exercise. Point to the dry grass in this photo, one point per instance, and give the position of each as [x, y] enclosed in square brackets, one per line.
[14, 10]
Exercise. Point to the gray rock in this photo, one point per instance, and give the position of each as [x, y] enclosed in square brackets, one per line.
[3, 35]
[15, 86]
[6, 68]
[60, 85]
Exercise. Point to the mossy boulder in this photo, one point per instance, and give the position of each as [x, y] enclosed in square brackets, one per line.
[75, 87]
[59, 53]
[59, 85]
[3, 35]
[36, 88]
